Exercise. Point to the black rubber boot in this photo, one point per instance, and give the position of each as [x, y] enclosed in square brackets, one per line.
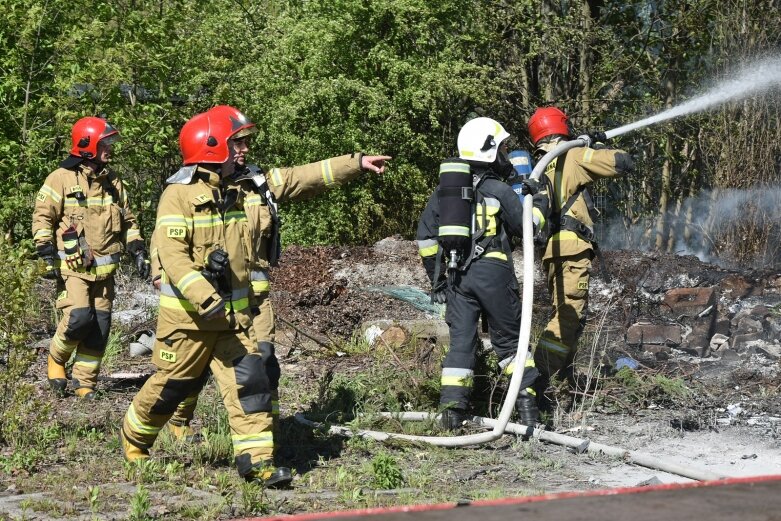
[270, 477]
[453, 419]
[526, 408]
[280, 477]
[544, 400]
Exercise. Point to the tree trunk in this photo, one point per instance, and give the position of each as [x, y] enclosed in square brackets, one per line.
[667, 168]
[585, 61]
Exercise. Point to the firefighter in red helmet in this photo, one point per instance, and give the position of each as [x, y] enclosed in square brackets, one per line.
[81, 221]
[571, 246]
[214, 231]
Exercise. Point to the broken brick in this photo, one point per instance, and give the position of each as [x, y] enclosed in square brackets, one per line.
[688, 301]
[741, 342]
[658, 334]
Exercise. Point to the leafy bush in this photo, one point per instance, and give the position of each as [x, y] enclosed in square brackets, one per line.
[18, 306]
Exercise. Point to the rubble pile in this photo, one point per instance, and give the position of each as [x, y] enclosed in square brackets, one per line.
[659, 305]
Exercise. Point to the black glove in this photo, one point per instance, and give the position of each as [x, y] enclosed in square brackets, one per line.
[215, 271]
[540, 237]
[47, 254]
[597, 136]
[143, 266]
[137, 250]
[530, 186]
[439, 292]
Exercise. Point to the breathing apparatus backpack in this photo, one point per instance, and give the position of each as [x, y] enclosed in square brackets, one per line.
[455, 195]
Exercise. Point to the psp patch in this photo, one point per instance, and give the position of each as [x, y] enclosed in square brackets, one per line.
[167, 356]
[177, 232]
[582, 285]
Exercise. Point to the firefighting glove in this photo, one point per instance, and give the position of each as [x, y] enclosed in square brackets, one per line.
[143, 266]
[439, 292]
[215, 271]
[70, 241]
[597, 136]
[530, 186]
[137, 250]
[47, 254]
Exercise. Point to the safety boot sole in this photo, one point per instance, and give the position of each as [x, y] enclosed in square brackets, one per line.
[269, 476]
[280, 477]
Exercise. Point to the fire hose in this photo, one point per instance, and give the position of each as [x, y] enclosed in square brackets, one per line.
[502, 424]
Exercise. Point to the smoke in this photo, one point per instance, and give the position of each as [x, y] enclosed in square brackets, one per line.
[752, 79]
[730, 228]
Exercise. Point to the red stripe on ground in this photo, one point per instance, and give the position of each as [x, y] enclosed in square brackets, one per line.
[518, 500]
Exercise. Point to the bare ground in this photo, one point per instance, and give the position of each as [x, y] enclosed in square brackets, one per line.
[726, 420]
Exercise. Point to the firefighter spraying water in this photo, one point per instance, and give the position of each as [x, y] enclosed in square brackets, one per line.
[760, 77]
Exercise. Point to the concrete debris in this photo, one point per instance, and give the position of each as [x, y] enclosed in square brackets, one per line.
[143, 345]
[735, 409]
[719, 341]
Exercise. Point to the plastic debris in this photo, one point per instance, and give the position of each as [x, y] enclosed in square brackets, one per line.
[626, 361]
[416, 297]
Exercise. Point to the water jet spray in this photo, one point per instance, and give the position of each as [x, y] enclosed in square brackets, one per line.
[752, 79]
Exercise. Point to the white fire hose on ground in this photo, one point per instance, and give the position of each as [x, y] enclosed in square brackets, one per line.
[502, 425]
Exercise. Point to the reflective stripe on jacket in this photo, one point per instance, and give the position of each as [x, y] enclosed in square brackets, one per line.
[96, 204]
[191, 223]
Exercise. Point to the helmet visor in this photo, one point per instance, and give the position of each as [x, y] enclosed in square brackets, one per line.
[245, 132]
[110, 139]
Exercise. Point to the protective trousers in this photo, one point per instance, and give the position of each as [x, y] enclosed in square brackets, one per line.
[491, 287]
[568, 280]
[84, 326]
[263, 325]
[182, 360]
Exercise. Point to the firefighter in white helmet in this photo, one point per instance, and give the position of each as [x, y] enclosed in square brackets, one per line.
[469, 222]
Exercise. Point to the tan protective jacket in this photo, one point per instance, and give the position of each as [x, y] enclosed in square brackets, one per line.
[567, 173]
[96, 203]
[291, 183]
[190, 225]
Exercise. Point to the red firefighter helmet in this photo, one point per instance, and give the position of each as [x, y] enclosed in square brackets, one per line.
[204, 139]
[241, 123]
[548, 121]
[87, 132]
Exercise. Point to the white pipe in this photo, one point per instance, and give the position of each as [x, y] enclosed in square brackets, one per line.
[523, 337]
[579, 444]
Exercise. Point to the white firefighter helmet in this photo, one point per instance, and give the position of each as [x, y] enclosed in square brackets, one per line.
[479, 140]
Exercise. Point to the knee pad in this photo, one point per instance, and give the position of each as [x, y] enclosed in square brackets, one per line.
[530, 375]
[80, 323]
[172, 394]
[253, 383]
[273, 370]
[97, 338]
